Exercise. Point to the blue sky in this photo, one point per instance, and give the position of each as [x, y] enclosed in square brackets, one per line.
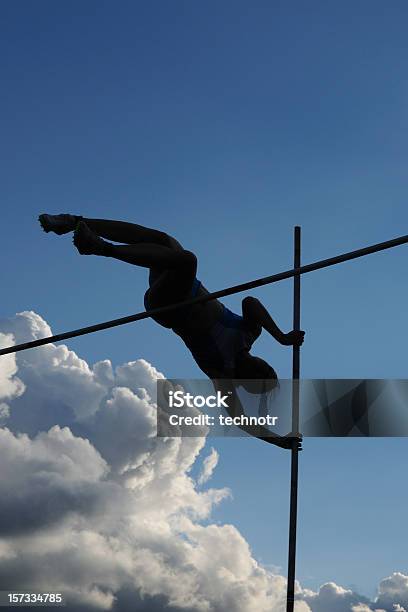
[227, 124]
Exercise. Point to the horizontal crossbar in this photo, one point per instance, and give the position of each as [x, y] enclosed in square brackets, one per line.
[266, 280]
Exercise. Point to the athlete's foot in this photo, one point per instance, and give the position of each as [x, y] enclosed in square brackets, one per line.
[87, 242]
[59, 224]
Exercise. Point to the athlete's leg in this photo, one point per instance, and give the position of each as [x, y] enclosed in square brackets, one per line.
[146, 254]
[130, 233]
[118, 231]
[172, 272]
[172, 286]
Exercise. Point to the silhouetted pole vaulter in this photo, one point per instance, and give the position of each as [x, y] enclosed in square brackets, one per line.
[219, 340]
[294, 479]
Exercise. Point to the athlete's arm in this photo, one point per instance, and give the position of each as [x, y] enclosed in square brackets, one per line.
[256, 315]
[263, 433]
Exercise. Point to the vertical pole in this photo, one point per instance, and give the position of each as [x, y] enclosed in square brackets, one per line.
[290, 598]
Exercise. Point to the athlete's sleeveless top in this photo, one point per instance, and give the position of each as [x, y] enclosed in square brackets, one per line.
[218, 347]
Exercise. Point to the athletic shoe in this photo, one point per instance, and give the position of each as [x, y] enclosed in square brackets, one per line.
[87, 242]
[59, 224]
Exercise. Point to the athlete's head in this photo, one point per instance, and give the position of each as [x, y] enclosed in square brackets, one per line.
[256, 374]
